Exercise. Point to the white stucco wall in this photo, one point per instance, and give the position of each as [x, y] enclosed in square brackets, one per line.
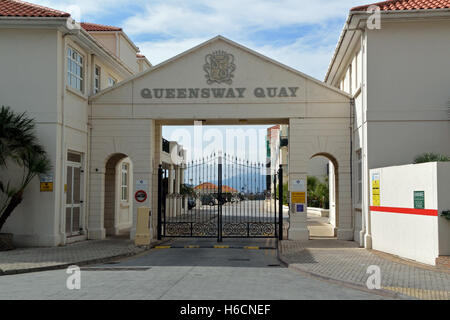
[35, 61]
[128, 54]
[410, 117]
[317, 167]
[30, 59]
[410, 233]
[131, 137]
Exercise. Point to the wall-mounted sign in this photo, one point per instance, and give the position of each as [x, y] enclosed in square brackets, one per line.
[376, 189]
[141, 184]
[217, 93]
[298, 185]
[298, 197]
[299, 208]
[419, 199]
[46, 183]
[140, 196]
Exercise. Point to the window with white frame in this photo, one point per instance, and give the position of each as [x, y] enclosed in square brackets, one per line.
[111, 81]
[359, 175]
[75, 69]
[97, 79]
[124, 182]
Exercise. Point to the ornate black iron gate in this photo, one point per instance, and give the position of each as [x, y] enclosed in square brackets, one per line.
[220, 196]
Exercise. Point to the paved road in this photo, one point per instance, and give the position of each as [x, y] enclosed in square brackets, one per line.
[180, 273]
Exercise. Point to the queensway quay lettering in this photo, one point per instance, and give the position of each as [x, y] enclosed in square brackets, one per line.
[218, 93]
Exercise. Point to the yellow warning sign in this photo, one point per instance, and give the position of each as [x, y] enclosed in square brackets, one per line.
[46, 186]
[298, 197]
[46, 182]
[376, 190]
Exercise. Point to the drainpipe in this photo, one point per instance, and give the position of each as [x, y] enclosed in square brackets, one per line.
[352, 106]
[365, 213]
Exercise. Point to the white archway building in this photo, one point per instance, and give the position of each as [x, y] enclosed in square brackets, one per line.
[127, 119]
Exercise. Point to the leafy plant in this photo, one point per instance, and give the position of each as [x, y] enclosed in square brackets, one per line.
[285, 193]
[318, 192]
[188, 190]
[18, 146]
[446, 214]
[431, 157]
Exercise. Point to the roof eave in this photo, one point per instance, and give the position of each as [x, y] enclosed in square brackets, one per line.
[62, 23]
[395, 14]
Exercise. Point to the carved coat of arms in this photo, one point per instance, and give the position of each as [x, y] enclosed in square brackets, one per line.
[219, 67]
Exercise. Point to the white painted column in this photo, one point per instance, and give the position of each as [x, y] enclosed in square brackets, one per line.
[298, 228]
[171, 178]
[177, 190]
[95, 226]
[170, 203]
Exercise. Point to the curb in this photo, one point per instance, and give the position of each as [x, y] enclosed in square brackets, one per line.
[214, 247]
[352, 285]
[79, 263]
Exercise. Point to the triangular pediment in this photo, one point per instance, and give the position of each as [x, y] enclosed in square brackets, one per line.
[219, 70]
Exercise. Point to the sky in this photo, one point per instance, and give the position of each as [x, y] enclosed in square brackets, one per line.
[299, 33]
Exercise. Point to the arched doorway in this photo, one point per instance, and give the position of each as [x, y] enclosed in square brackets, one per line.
[118, 209]
[322, 182]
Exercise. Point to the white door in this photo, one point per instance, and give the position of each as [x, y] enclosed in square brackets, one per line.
[73, 195]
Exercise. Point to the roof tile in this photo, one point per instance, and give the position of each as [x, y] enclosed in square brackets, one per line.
[98, 27]
[404, 5]
[16, 8]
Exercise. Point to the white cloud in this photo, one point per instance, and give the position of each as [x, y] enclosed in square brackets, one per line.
[306, 54]
[198, 17]
[184, 24]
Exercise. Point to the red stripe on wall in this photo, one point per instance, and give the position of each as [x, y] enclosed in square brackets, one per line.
[421, 212]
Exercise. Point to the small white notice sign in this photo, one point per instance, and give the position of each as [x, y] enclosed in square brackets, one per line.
[141, 184]
[298, 185]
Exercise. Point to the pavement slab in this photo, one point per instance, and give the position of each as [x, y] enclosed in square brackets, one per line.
[93, 251]
[344, 261]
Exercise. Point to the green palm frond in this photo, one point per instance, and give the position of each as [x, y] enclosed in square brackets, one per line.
[19, 145]
[431, 157]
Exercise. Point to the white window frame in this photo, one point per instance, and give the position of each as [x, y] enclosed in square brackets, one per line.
[97, 79]
[124, 182]
[72, 165]
[111, 81]
[75, 69]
